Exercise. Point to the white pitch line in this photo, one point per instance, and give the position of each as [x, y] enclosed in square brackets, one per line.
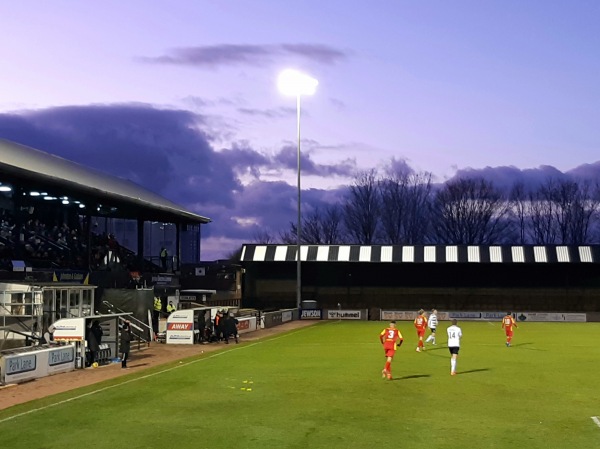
[596, 420]
[181, 365]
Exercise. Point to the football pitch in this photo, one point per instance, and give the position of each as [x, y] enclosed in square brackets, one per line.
[321, 387]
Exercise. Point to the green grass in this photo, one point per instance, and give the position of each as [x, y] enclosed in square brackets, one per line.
[320, 387]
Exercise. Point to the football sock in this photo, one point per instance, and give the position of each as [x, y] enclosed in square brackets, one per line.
[452, 365]
[388, 366]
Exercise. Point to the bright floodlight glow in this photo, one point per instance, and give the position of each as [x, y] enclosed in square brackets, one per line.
[294, 83]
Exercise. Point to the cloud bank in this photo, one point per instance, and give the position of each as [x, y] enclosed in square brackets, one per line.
[213, 56]
[170, 152]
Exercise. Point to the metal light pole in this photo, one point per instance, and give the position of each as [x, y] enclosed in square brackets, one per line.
[296, 84]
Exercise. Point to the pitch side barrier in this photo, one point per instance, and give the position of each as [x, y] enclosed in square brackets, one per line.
[272, 319]
[334, 314]
[31, 363]
[403, 315]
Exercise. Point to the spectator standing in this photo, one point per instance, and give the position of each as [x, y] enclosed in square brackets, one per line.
[219, 325]
[125, 343]
[163, 258]
[201, 326]
[171, 308]
[156, 314]
[231, 328]
[92, 346]
[98, 333]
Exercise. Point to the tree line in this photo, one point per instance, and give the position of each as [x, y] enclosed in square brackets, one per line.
[408, 209]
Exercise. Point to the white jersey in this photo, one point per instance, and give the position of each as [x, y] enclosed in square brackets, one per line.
[454, 336]
[433, 322]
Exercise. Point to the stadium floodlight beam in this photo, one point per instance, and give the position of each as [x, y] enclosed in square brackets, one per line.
[295, 84]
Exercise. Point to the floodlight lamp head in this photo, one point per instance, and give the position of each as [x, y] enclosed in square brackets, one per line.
[294, 83]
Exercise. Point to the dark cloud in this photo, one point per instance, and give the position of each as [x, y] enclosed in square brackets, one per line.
[505, 177]
[167, 152]
[162, 150]
[269, 113]
[587, 172]
[316, 52]
[212, 56]
[287, 157]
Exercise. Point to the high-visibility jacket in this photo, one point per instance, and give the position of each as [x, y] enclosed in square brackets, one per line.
[157, 304]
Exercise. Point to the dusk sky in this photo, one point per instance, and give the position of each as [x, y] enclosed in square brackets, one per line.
[181, 96]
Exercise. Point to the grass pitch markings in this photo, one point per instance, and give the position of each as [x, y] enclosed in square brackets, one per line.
[596, 420]
[147, 376]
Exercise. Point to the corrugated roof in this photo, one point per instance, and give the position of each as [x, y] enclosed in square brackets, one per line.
[29, 163]
[502, 254]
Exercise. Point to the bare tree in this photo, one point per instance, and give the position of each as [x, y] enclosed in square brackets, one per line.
[404, 200]
[361, 209]
[331, 225]
[519, 207]
[263, 236]
[470, 212]
[543, 228]
[574, 210]
[318, 227]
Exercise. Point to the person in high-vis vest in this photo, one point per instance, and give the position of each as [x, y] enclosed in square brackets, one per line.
[171, 308]
[156, 314]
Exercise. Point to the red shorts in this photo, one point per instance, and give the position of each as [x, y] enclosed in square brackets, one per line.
[390, 352]
[509, 333]
[420, 332]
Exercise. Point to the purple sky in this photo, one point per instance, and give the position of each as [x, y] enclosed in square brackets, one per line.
[181, 97]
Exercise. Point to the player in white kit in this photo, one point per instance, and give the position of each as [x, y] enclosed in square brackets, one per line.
[454, 336]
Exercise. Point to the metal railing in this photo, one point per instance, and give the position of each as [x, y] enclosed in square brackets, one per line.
[135, 323]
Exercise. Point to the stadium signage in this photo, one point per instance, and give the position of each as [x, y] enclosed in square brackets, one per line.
[247, 324]
[568, 317]
[34, 364]
[21, 364]
[286, 316]
[61, 356]
[310, 314]
[389, 315]
[180, 327]
[68, 329]
[343, 314]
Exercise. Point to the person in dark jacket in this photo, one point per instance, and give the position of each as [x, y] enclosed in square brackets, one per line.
[219, 326]
[92, 347]
[231, 328]
[97, 333]
[125, 343]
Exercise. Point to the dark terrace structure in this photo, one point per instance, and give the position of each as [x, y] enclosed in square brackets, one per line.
[449, 277]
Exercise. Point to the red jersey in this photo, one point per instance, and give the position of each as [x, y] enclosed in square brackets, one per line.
[508, 322]
[421, 323]
[389, 337]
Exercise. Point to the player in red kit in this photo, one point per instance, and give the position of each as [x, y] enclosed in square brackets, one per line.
[391, 339]
[421, 326]
[507, 324]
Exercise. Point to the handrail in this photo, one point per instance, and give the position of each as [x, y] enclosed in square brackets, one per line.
[139, 337]
[135, 323]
